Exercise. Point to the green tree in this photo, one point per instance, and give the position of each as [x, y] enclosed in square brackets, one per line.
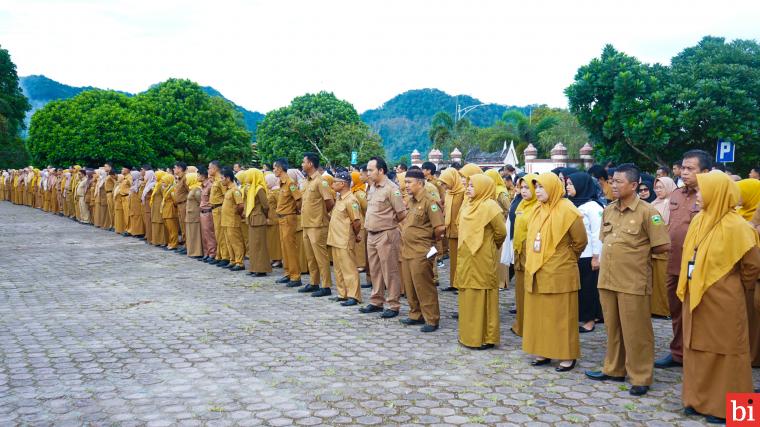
[651, 114]
[13, 107]
[343, 140]
[311, 122]
[566, 130]
[184, 123]
[441, 131]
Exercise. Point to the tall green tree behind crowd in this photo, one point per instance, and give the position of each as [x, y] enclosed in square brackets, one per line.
[651, 114]
[13, 107]
[173, 121]
[319, 123]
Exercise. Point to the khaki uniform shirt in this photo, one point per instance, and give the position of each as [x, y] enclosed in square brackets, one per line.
[261, 208]
[346, 211]
[232, 198]
[628, 237]
[206, 194]
[683, 208]
[180, 193]
[417, 229]
[193, 206]
[384, 202]
[110, 184]
[313, 208]
[288, 196]
[433, 191]
[217, 192]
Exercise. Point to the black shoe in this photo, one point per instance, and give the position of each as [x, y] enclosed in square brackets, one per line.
[449, 289]
[583, 330]
[204, 258]
[601, 376]
[309, 289]
[561, 368]
[237, 268]
[283, 280]
[513, 311]
[455, 316]
[196, 257]
[429, 328]
[690, 411]
[125, 234]
[639, 390]
[321, 292]
[182, 251]
[389, 314]
[338, 299]
[294, 284]
[369, 308]
[349, 302]
[222, 263]
[666, 362]
[541, 362]
[711, 419]
[256, 274]
[277, 264]
[366, 285]
[410, 322]
[212, 261]
[486, 347]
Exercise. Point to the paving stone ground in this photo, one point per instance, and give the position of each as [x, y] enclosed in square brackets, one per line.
[99, 329]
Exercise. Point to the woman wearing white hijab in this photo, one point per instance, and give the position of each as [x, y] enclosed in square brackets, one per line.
[136, 224]
[101, 200]
[150, 182]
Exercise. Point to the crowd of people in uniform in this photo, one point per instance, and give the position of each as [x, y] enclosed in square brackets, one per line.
[611, 244]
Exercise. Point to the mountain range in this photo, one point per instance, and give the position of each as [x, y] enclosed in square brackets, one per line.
[402, 121]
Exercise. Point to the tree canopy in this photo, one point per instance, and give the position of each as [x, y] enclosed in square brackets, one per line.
[651, 114]
[319, 123]
[13, 107]
[173, 121]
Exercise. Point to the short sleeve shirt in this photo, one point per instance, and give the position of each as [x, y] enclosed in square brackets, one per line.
[384, 202]
[217, 192]
[313, 208]
[417, 234]
[232, 198]
[345, 212]
[683, 208]
[288, 196]
[628, 236]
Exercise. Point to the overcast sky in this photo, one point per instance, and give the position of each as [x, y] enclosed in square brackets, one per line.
[261, 54]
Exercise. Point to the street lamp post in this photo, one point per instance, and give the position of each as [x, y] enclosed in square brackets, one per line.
[462, 111]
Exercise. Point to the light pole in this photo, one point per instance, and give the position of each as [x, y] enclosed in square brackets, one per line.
[462, 111]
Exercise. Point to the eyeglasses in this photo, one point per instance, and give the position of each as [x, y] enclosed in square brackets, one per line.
[643, 189]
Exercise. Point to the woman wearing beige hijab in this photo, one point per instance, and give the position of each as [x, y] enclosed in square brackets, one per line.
[659, 301]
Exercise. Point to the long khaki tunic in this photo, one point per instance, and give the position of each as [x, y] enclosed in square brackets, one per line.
[273, 228]
[716, 355]
[452, 234]
[258, 246]
[136, 224]
[478, 290]
[551, 300]
[193, 239]
[157, 221]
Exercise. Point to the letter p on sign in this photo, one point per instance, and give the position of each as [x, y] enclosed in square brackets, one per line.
[724, 152]
[742, 409]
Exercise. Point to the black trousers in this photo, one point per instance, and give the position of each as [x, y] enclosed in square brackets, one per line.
[589, 307]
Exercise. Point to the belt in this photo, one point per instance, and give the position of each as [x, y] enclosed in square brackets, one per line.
[215, 206]
[283, 216]
[206, 210]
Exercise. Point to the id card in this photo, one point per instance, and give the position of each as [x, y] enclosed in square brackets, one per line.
[690, 269]
[537, 243]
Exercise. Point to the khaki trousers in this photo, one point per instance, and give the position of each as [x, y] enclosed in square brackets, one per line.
[290, 256]
[207, 233]
[630, 338]
[417, 275]
[172, 230]
[182, 213]
[315, 244]
[675, 305]
[346, 273]
[221, 242]
[383, 249]
[234, 240]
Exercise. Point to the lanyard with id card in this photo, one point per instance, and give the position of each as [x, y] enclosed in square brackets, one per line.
[690, 265]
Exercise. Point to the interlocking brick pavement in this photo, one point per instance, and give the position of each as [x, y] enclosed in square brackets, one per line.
[99, 329]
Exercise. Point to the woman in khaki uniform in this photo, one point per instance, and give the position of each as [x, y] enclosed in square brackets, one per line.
[256, 212]
[136, 224]
[244, 179]
[101, 200]
[556, 238]
[659, 302]
[523, 215]
[157, 220]
[124, 189]
[273, 225]
[358, 189]
[501, 195]
[722, 253]
[232, 209]
[453, 200]
[119, 225]
[297, 177]
[483, 231]
[748, 200]
[150, 183]
[193, 238]
[169, 212]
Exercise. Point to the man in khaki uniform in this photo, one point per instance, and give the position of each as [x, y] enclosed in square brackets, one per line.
[109, 187]
[632, 230]
[288, 206]
[385, 210]
[344, 234]
[180, 198]
[434, 188]
[422, 227]
[232, 207]
[216, 199]
[317, 202]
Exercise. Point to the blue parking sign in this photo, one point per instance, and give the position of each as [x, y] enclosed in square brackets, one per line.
[724, 152]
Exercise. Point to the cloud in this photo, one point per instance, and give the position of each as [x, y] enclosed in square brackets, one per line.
[261, 54]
